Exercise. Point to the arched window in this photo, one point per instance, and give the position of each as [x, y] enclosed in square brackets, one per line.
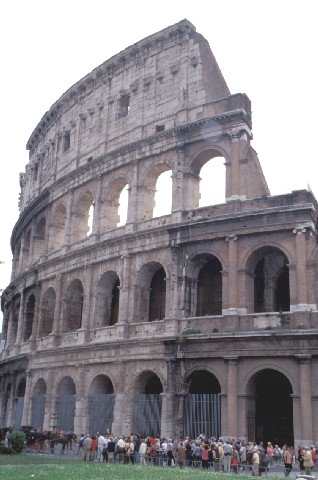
[47, 312]
[123, 206]
[209, 289]
[163, 195]
[38, 404]
[39, 238]
[271, 281]
[29, 317]
[65, 404]
[212, 182]
[73, 306]
[107, 300]
[157, 299]
[83, 216]
[147, 404]
[57, 232]
[151, 298]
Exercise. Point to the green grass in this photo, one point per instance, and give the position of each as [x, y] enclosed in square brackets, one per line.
[75, 470]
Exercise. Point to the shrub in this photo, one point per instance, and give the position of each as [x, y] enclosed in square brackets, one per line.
[17, 440]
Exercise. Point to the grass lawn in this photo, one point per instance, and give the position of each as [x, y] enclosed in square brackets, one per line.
[70, 470]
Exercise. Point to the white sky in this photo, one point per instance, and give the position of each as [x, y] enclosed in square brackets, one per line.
[265, 48]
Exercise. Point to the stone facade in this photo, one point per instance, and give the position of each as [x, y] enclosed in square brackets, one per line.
[215, 300]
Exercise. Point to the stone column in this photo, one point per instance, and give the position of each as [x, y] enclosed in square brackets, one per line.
[10, 404]
[68, 223]
[80, 424]
[57, 323]
[301, 273]
[21, 254]
[305, 399]
[32, 238]
[117, 426]
[26, 417]
[232, 277]
[132, 212]
[49, 415]
[87, 301]
[37, 314]
[232, 397]
[97, 210]
[8, 339]
[124, 315]
[2, 393]
[296, 419]
[20, 324]
[167, 415]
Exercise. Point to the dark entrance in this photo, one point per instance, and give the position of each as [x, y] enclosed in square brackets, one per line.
[273, 408]
[147, 406]
[202, 406]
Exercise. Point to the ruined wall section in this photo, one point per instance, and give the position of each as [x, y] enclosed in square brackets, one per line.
[157, 84]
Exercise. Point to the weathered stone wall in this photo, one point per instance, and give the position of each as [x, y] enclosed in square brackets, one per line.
[79, 300]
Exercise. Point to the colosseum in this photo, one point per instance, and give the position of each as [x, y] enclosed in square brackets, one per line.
[200, 320]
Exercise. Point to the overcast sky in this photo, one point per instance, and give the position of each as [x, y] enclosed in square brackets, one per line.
[265, 48]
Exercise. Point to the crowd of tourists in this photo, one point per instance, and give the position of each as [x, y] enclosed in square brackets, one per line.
[220, 454]
[202, 452]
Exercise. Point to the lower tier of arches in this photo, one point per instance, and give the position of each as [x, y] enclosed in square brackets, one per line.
[248, 398]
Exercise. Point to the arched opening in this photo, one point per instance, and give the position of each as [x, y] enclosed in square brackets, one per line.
[107, 300]
[157, 297]
[209, 286]
[39, 238]
[163, 195]
[29, 317]
[202, 405]
[212, 182]
[206, 180]
[65, 404]
[271, 281]
[26, 249]
[73, 306]
[123, 206]
[15, 319]
[270, 417]
[101, 403]
[147, 405]
[6, 399]
[57, 234]
[151, 295]
[18, 403]
[90, 219]
[155, 192]
[47, 312]
[38, 404]
[114, 209]
[83, 217]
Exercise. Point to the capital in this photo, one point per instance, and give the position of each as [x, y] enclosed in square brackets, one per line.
[231, 237]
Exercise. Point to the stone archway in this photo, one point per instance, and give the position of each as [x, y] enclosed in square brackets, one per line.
[202, 405]
[38, 404]
[65, 403]
[146, 418]
[101, 401]
[19, 403]
[270, 408]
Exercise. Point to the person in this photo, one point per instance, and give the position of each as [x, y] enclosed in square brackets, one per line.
[111, 447]
[205, 450]
[102, 443]
[269, 453]
[228, 450]
[288, 459]
[308, 463]
[255, 462]
[142, 452]
[235, 460]
[94, 448]
[86, 448]
[181, 454]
